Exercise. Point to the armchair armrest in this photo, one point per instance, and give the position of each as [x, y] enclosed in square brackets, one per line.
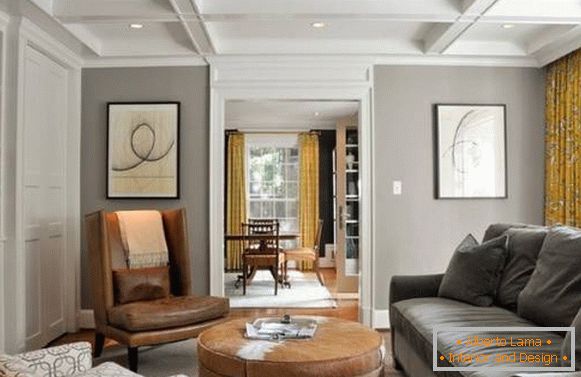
[413, 286]
[65, 360]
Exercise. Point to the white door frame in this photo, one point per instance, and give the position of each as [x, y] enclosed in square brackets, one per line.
[291, 79]
[31, 36]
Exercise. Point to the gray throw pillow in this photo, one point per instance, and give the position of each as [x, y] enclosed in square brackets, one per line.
[552, 296]
[524, 245]
[566, 349]
[474, 271]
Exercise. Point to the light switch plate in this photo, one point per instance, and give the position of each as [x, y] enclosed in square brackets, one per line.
[397, 188]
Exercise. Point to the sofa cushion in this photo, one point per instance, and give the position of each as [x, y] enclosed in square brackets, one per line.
[497, 230]
[474, 271]
[167, 312]
[566, 350]
[524, 245]
[415, 319]
[552, 296]
[140, 284]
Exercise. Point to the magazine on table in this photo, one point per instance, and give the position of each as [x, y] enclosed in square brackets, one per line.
[281, 328]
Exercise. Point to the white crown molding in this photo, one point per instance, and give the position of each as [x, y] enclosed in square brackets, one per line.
[457, 60]
[170, 61]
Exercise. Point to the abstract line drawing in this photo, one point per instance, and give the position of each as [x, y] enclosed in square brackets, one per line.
[143, 150]
[471, 144]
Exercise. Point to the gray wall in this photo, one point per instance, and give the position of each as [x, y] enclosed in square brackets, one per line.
[189, 85]
[417, 234]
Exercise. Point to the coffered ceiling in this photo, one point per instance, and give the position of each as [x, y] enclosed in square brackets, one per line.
[503, 32]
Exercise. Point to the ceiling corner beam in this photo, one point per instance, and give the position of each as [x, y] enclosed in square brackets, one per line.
[198, 14]
[442, 36]
[178, 12]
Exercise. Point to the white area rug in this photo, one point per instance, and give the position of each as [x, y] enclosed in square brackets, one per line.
[305, 292]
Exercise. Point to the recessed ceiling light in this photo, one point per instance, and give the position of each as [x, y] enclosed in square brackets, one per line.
[316, 113]
[507, 26]
[136, 26]
[318, 25]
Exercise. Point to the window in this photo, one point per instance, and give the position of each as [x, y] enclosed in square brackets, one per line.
[273, 180]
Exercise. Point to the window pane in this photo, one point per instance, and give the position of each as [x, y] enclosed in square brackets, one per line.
[292, 209]
[292, 190]
[280, 209]
[273, 180]
[267, 209]
[254, 209]
[292, 172]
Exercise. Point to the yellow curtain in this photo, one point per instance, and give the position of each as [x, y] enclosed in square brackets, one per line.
[563, 142]
[236, 198]
[309, 191]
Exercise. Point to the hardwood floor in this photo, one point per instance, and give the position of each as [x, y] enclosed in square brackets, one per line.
[346, 309]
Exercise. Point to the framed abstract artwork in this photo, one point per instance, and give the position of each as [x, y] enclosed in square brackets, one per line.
[470, 151]
[143, 150]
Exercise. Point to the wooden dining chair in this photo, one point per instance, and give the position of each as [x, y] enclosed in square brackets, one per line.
[262, 254]
[300, 254]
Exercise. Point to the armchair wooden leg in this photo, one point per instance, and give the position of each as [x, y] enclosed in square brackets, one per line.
[99, 344]
[133, 357]
[276, 280]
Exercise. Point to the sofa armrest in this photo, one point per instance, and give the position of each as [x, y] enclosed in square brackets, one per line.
[413, 286]
[65, 360]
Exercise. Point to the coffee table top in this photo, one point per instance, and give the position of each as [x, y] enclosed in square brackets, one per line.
[338, 345]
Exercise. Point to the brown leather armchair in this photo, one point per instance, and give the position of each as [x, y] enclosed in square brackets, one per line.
[177, 317]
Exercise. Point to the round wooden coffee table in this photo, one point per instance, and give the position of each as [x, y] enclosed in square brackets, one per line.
[339, 349]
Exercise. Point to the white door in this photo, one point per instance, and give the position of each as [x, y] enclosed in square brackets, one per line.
[43, 174]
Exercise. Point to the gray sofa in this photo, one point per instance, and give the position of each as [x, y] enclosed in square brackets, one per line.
[415, 309]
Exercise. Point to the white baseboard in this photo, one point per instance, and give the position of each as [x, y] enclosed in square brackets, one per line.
[380, 319]
[86, 319]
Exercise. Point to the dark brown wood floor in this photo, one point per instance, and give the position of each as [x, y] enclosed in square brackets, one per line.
[346, 309]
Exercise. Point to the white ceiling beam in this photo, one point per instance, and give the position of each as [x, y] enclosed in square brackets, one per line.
[188, 31]
[549, 36]
[204, 28]
[345, 7]
[441, 37]
[566, 43]
[564, 19]
[76, 10]
[86, 37]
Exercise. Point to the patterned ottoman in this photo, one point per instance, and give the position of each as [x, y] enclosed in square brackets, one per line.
[339, 349]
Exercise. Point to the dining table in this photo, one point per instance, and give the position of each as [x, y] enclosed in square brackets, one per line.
[262, 238]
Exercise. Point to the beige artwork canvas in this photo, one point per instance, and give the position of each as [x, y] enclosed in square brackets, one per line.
[143, 150]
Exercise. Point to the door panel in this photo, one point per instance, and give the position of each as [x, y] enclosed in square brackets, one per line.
[44, 206]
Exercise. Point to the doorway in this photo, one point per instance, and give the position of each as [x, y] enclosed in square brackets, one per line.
[221, 94]
[295, 163]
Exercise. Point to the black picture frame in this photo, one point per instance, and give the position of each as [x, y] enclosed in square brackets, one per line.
[174, 195]
[438, 149]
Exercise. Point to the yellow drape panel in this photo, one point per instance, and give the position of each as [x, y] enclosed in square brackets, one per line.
[309, 191]
[236, 198]
[563, 142]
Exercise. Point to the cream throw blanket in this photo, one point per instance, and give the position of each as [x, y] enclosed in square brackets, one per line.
[143, 238]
